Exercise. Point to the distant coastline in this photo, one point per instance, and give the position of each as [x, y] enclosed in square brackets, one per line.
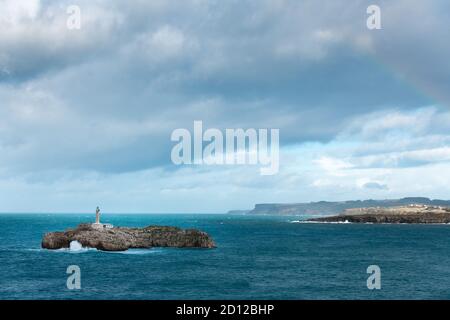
[330, 208]
[413, 213]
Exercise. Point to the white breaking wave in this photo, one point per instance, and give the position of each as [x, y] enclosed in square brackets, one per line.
[75, 246]
[324, 222]
[138, 251]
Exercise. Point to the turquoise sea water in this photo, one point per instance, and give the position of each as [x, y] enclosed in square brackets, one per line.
[256, 258]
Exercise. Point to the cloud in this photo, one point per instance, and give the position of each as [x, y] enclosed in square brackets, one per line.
[101, 102]
[332, 165]
[35, 39]
[394, 138]
[375, 185]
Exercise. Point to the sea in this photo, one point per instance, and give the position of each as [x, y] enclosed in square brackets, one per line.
[257, 257]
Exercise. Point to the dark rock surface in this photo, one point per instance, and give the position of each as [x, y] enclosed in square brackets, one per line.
[430, 217]
[121, 238]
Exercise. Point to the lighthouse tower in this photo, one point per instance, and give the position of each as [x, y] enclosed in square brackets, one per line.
[98, 225]
[97, 216]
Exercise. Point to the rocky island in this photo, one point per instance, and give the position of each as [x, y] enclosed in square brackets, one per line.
[414, 213]
[109, 238]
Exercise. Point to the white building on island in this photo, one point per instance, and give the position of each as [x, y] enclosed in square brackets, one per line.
[97, 224]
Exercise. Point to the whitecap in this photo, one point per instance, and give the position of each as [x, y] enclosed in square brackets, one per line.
[75, 246]
[322, 222]
[137, 251]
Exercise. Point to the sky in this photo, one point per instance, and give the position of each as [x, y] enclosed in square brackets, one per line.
[86, 114]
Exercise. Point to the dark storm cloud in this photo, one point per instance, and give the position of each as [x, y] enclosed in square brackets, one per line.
[107, 97]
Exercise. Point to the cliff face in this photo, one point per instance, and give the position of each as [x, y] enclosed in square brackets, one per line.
[330, 208]
[121, 239]
[414, 214]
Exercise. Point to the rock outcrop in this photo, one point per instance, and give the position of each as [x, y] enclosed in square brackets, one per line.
[121, 238]
[402, 214]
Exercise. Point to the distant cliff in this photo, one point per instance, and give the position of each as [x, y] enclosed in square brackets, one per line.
[332, 208]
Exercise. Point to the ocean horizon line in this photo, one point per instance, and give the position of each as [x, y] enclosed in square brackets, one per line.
[111, 213]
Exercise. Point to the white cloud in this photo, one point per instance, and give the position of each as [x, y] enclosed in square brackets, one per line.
[333, 166]
[14, 13]
[167, 39]
[393, 155]
[34, 36]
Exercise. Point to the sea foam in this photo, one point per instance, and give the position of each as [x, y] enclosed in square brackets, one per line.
[75, 246]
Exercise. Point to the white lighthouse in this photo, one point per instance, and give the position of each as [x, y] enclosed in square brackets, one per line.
[97, 216]
[97, 224]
